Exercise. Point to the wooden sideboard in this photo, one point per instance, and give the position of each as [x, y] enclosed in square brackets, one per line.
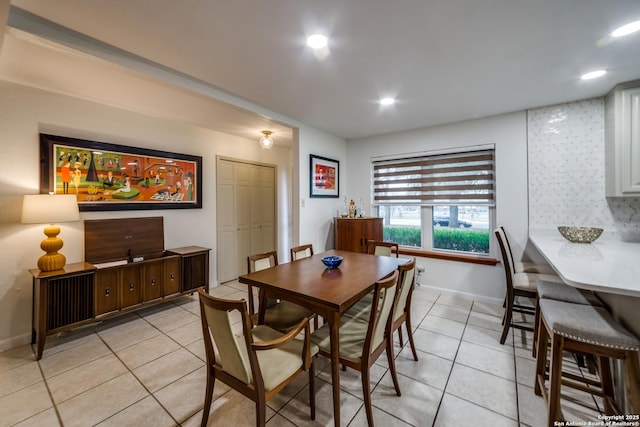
[86, 292]
[352, 234]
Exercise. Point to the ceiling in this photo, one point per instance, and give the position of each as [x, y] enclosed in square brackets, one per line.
[444, 60]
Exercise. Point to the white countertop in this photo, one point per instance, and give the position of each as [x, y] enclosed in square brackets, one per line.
[606, 265]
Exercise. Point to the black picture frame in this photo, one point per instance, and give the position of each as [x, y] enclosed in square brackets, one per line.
[109, 177]
[324, 177]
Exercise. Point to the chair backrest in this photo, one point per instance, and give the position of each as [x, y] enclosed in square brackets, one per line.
[507, 260]
[302, 251]
[378, 247]
[506, 239]
[380, 321]
[234, 355]
[262, 261]
[405, 287]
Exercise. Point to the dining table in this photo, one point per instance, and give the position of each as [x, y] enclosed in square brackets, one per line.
[328, 292]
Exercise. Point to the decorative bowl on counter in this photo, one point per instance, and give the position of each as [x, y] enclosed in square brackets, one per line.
[332, 261]
[580, 234]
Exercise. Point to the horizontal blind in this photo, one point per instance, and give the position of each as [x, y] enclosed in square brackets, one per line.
[447, 179]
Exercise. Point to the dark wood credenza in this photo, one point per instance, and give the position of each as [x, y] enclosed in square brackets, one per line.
[110, 282]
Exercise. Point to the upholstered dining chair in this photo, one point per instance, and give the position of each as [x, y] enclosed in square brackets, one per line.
[363, 340]
[257, 364]
[519, 284]
[379, 247]
[279, 314]
[402, 312]
[302, 251]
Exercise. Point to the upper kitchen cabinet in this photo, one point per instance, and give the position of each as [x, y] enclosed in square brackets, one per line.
[622, 140]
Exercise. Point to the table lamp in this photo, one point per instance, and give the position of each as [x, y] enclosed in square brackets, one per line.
[50, 208]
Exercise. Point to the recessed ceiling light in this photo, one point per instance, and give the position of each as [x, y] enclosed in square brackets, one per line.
[387, 101]
[593, 74]
[317, 41]
[627, 29]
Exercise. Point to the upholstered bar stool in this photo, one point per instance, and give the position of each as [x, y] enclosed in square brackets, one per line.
[590, 330]
[560, 292]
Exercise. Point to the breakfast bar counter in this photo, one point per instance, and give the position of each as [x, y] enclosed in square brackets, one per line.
[606, 265]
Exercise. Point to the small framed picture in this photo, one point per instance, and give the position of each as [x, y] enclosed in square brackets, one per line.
[325, 177]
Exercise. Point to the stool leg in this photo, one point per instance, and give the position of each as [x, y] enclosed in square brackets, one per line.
[607, 384]
[555, 379]
[536, 326]
[541, 361]
[632, 369]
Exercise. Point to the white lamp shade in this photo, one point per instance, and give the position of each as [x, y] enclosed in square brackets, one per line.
[49, 208]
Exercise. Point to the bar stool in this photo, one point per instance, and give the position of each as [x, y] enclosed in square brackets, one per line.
[560, 292]
[591, 330]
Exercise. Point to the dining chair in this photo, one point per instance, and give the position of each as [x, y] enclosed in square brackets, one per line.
[525, 266]
[361, 341]
[379, 247]
[279, 314]
[302, 251]
[402, 312]
[519, 284]
[257, 364]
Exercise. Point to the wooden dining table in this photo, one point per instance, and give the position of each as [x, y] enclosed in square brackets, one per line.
[327, 292]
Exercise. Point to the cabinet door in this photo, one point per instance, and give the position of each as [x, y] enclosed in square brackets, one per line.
[371, 230]
[106, 291]
[348, 235]
[152, 280]
[171, 275]
[130, 290]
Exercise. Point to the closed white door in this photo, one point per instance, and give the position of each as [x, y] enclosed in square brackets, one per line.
[246, 214]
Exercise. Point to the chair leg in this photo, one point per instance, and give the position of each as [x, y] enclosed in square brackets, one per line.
[407, 324]
[555, 379]
[536, 320]
[400, 337]
[208, 396]
[261, 412]
[366, 390]
[506, 321]
[632, 379]
[312, 390]
[607, 384]
[392, 367]
[541, 361]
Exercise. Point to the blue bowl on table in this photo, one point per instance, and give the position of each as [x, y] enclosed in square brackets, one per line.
[332, 261]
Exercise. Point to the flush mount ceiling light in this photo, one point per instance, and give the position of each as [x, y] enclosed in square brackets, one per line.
[593, 74]
[266, 140]
[317, 41]
[387, 101]
[627, 29]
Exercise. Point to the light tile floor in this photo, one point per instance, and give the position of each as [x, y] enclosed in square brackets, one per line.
[147, 369]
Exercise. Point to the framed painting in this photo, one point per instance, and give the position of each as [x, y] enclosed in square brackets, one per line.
[106, 177]
[325, 177]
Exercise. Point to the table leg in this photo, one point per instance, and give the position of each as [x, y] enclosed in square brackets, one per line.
[334, 335]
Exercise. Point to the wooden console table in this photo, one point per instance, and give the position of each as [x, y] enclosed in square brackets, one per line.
[82, 293]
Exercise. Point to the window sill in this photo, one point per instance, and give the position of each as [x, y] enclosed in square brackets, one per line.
[473, 259]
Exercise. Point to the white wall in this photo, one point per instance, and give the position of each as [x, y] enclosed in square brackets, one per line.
[24, 112]
[508, 133]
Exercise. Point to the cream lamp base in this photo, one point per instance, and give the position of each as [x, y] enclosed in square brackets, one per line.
[52, 260]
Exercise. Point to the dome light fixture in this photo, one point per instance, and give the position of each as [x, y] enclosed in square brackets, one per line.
[627, 29]
[593, 74]
[387, 101]
[317, 41]
[266, 140]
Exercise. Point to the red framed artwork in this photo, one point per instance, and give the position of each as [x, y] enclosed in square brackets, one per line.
[107, 176]
[325, 177]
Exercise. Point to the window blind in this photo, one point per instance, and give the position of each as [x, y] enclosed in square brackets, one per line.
[465, 178]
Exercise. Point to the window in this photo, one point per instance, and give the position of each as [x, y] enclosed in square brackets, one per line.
[437, 201]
